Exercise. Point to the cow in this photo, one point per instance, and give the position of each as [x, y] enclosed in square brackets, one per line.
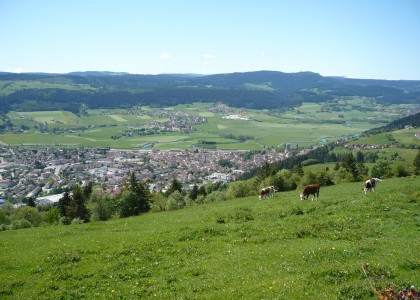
[267, 192]
[311, 189]
[370, 184]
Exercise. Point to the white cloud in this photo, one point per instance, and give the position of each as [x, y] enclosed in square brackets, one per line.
[15, 70]
[263, 53]
[165, 56]
[208, 56]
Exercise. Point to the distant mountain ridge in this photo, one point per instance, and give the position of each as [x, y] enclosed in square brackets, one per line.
[258, 90]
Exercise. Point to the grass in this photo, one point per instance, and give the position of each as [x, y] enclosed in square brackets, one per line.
[281, 248]
[306, 126]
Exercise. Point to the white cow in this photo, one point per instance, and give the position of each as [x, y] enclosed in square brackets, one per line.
[370, 184]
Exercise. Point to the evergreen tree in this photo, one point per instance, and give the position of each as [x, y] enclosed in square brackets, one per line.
[298, 169]
[63, 204]
[87, 190]
[359, 157]
[349, 164]
[135, 198]
[31, 202]
[176, 185]
[80, 200]
[194, 192]
[416, 163]
[202, 191]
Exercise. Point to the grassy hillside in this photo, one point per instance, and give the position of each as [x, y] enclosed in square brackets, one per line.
[280, 248]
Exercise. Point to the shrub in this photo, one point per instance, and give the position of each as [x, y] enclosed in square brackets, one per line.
[175, 201]
[77, 221]
[100, 205]
[30, 214]
[52, 216]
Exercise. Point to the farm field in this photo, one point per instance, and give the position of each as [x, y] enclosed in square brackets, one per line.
[305, 125]
[279, 248]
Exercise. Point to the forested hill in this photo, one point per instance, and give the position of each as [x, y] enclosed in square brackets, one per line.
[259, 90]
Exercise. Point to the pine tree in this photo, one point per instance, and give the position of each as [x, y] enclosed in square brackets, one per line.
[349, 164]
[175, 186]
[31, 202]
[80, 200]
[135, 198]
[416, 163]
[194, 192]
[298, 169]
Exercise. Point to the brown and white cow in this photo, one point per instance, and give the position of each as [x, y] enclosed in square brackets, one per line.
[311, 189]
[370, 184]
[267, 192]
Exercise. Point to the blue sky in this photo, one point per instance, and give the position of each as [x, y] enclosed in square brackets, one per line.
[353, 38]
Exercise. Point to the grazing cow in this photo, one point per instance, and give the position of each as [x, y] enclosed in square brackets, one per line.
[312, 189]
[370, 184]
[267, 192]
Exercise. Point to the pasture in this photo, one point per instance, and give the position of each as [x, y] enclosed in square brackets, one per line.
[281, 248]
[306, 125]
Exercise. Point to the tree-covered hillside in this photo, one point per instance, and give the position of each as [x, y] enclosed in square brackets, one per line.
[259, 90]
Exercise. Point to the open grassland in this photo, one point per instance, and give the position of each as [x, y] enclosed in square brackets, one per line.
[403, 136]
[280, 248]
[306, 125]
[8, 87]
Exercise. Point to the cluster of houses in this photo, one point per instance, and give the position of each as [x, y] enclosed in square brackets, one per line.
[44, 173]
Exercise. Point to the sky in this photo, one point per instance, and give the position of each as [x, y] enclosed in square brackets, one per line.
[378, 39]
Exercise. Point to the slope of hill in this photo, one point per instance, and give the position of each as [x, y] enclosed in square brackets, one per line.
[410, 121]
[262, 89]
[281, 248]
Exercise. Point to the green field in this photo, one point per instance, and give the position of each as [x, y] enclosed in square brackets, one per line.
[280, 248]
[306, 125]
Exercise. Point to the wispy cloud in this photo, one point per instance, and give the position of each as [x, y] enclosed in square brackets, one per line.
[208, 57]
[263, 53]
[15, 70]
[165, 56]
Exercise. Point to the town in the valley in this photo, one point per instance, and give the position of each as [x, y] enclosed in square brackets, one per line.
[45, 173]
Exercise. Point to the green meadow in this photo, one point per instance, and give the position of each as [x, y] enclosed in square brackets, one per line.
[279, 248]
[306, 125]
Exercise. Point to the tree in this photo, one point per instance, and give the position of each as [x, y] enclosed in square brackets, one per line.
[87, 190]
[176, 185]
[298, 169]
[135, 198]
[381, 169]
[52, 216]
[66, 208]
[80, 200]
[158, 202]
[349, 164]
[416, 163]
[194, 192]
[175, 201]
[100, 205]
[202, 191]
[31, 202]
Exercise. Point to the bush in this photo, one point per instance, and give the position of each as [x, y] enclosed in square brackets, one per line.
[400, 170]
[52, 216]
[27, 213]
[175, 201]
[76, 221]
[20, 224]
[101, 206]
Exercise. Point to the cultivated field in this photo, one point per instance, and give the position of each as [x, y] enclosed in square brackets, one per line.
[310, 124]
[280, 248]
